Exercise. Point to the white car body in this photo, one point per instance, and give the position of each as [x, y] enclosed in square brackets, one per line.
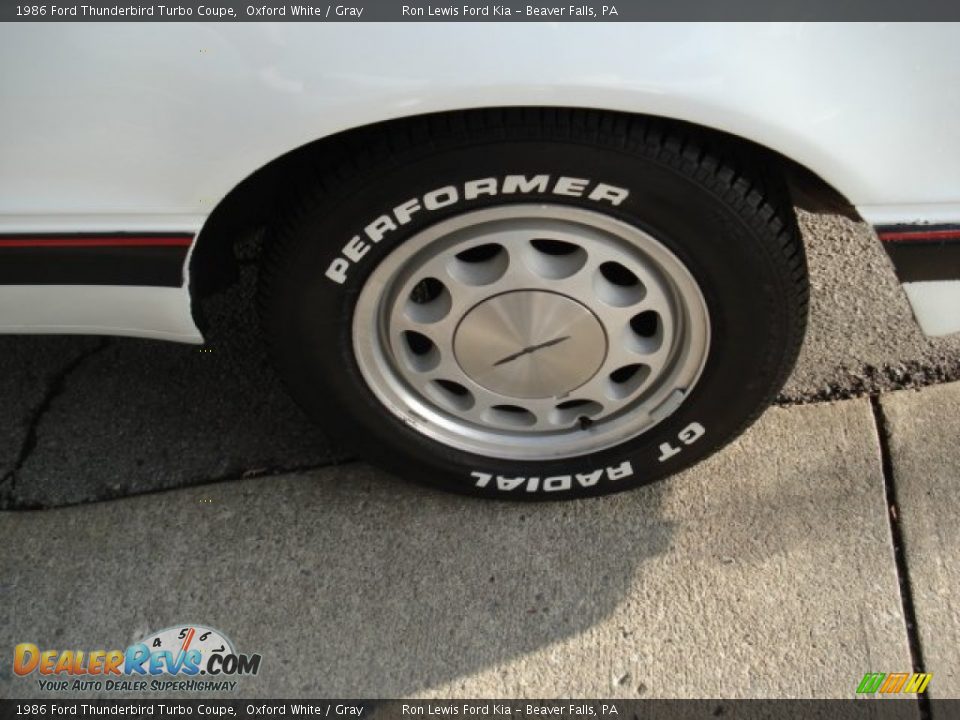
[145, 128]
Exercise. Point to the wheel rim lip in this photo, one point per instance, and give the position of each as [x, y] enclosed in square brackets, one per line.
[379, 366]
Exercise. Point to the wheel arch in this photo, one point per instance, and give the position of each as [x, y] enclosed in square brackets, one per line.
[255, 201]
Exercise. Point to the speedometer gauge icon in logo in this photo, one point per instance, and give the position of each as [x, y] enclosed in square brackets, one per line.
[182, 639]
[191, 649]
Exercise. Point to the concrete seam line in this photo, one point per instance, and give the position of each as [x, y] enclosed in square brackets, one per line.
[899, 549]
[9, 504]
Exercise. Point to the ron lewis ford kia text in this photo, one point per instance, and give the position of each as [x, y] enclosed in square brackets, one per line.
[532, 260]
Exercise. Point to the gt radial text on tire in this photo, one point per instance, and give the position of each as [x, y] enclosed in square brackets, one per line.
[534, 304]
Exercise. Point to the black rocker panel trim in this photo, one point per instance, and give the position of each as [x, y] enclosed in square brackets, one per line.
[143, 259]
[923, 252]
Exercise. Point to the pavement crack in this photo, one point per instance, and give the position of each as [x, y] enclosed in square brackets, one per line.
[55, 387]
[894, 517]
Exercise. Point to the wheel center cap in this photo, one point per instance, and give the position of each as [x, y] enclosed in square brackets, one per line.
[530, 344]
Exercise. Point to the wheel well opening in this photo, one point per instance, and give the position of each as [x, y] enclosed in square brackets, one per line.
[232, 233]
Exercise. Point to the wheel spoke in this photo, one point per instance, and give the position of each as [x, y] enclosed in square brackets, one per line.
[531, 331]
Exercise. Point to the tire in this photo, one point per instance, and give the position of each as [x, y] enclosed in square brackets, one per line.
[445, 225]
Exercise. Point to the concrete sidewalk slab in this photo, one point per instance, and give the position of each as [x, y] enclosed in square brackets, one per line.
[767, 571]
[923, 434]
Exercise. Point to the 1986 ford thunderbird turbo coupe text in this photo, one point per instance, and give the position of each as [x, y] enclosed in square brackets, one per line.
[537, 260]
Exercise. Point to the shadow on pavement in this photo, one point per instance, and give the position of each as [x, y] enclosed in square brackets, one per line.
[758, 573]
[352, 582]
[89, 418]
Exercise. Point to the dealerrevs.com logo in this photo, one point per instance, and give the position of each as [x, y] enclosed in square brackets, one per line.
[179, 658]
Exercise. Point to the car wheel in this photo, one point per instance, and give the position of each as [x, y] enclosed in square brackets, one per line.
[534, 304]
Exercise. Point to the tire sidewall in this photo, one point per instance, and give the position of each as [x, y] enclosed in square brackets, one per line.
[738, 273]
